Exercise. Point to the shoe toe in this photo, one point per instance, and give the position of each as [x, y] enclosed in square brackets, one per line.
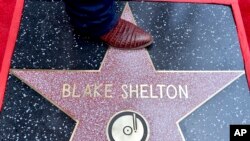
[143, 38]
[127, 35]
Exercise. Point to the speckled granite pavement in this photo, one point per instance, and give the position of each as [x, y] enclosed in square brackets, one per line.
[187, 37]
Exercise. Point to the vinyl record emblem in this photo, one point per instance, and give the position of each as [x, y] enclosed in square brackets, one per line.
[127, 126]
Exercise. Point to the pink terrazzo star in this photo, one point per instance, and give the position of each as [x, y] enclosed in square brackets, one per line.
[126, 67]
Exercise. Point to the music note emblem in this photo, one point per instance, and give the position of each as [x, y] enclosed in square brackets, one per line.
[127, 126]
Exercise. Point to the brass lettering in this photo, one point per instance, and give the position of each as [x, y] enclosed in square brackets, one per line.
[143, 90]
[135, 91]
[96, 93]
[151, 93]
[66, 90]
[161, 89]
[108, 90]
[125, 94]
[183, 91]
[87, 90]
[169, 92]
[74, 92]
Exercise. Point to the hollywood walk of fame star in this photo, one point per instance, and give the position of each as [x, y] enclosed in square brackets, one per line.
[131, 67]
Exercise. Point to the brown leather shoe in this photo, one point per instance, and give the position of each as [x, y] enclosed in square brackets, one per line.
[126, 35]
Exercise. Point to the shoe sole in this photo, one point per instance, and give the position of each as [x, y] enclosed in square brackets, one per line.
[140, 47]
